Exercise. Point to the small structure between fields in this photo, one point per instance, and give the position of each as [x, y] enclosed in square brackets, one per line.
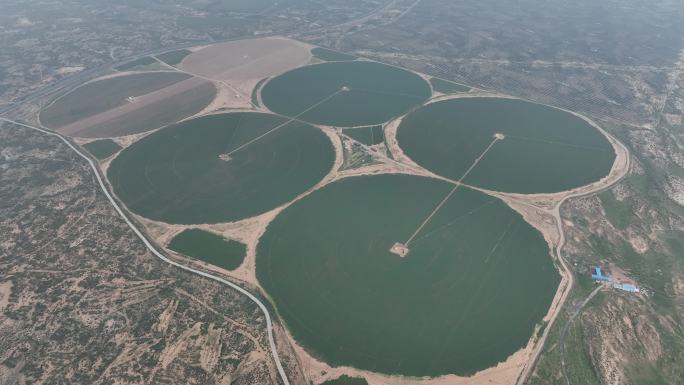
[399, 249]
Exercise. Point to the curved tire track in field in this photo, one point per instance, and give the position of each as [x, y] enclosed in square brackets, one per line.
[148, 244]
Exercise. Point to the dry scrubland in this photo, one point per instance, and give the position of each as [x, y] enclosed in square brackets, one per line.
[89, 304]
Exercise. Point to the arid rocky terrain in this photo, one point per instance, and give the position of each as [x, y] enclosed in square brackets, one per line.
[89, 304]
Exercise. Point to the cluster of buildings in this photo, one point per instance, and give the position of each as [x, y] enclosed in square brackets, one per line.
[599, 276]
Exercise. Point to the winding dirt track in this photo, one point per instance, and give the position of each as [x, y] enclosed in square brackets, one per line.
[148, 244]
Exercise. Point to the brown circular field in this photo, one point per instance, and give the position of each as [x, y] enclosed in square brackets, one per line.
[128, 104]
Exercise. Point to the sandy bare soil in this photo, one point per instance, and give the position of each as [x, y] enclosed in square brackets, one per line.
[227, 98]
[5, 291]
[503, 373]
[70, 70]
[393, 144]
[245, 87]
[247, 59]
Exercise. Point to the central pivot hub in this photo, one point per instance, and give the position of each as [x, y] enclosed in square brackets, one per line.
[399, 249]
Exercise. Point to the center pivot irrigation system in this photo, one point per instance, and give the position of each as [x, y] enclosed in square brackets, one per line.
[402, 249]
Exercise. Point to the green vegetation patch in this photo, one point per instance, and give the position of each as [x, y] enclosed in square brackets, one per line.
[102, 149]
[469, 293]
[142, 62]
[345, 94]
[577, 359]
[619, 214]
[447, 87]
[366, 135]
[346, 380]
[174, 57]
[646, 373]
[211, 169]
[104, 95]
[211, 248]
[675, 241]
[330, 55]
[545, 149]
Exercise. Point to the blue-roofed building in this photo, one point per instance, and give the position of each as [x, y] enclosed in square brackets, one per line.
[626, 287]
[618, 283]
[599, 276]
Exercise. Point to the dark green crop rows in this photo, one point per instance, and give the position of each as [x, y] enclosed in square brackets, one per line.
[375, 93]
[475, 283]
[210, 248]
[544, 150]
[102, 149]
[177, 174]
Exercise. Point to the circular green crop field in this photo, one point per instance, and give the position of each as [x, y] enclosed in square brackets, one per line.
[469, 293]
[198, 172]
[345, 94]
[544, 150]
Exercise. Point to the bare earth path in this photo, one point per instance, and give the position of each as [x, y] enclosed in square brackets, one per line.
[148, 244]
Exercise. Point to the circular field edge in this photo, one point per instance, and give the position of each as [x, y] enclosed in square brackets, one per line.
[315, 353]
[397, 146]
[318, 135]
[414, 75]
